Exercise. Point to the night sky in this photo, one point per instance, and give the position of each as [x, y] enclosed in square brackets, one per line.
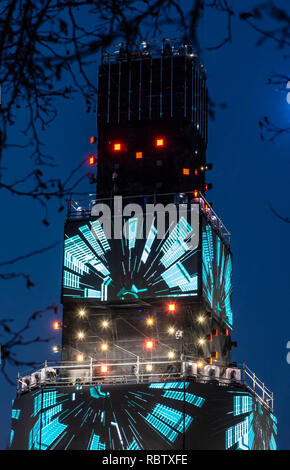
[248, 174]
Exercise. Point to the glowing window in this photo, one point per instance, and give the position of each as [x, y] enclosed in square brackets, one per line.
[185, 171]
[139, 155]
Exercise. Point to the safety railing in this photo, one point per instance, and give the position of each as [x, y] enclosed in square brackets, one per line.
[89, 373]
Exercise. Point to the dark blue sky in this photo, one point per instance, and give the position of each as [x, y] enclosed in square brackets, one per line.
[248, 174]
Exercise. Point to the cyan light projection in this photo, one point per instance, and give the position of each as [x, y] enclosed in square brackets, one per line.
[156, 416]
[217, 274]
[256, 421]
[128, 268]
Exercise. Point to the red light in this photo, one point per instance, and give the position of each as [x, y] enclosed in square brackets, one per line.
[210, 338]
[92, 160]
[159, 142]
[206, 187]
[216, 332]
[195, 172]
[149, 344]
[56, 325]
[104, 369]
[117, 147]
[171, 307]
[185, 171]
[139, 155]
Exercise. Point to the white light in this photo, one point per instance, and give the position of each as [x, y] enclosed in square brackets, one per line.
[171, 330]
[105, 324]
[80, 357]
[82, 313]
[81, 335]
[200, 319]
[201, 341]
[149, 367]
[171, 355]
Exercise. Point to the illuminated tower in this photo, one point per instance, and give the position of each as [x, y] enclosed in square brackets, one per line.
[147, 282]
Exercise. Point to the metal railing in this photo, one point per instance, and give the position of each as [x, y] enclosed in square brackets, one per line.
[89, 373]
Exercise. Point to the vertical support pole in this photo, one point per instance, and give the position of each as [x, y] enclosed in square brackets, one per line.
[45, 371]
[244, 373]
[91, 369]
[272, 400]
[138, 369]
[263, 392]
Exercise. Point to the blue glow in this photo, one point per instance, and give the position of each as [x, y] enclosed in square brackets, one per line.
[161, 427]
[133, 446]
[96, 444]
[169, 385]
[91, 240]
[176, 419]
[96, 392]
[242, 404]
[238, 434]
[188, 397]
[151, 236]
[97, 229]
[15, 414]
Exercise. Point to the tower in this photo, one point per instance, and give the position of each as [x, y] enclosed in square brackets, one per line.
[147, 281]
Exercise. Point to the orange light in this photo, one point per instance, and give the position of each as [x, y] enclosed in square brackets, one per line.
[195, 193]
[150, 321]
[149, 344]
[160, 142]
[171, 307]
[93, 139]
[104, 369]
[185, 171]
[80, 357]
[139, 155]
[227, 332]
[104, 347]
[199, 364]
[92, 160]
[117, 147]
[210, 361]
[56, 325]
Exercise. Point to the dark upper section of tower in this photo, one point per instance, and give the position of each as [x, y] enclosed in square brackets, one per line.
[152, 120]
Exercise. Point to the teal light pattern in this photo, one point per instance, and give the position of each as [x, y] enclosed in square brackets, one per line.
[217, 274]
[102, 269]
[188, 397]
[242, 404]
[15, 414]
[169, 385]
[96, 444]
